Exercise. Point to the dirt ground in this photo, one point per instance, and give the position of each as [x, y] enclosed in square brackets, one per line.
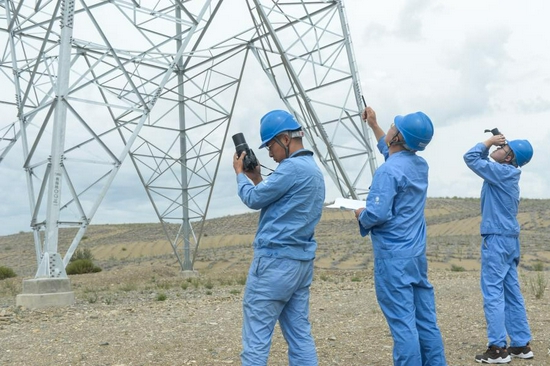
[151, 314]
[142, 310]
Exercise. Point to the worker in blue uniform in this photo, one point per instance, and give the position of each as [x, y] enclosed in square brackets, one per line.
[503, 302]
[394, 218]
[278, 283]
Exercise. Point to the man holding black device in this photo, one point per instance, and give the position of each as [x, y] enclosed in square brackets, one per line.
[291, 201]
[503, 302]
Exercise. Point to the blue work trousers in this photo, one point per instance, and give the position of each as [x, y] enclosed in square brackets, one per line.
[277, 289]
[407, 301]
[503, 302]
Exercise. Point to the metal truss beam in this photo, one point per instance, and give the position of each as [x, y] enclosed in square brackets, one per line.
[95, 82]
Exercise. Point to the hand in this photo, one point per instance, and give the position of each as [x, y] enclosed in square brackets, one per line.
[358, 212]
[369, 115]
[255, 175]
[495, 140]
[238, 163]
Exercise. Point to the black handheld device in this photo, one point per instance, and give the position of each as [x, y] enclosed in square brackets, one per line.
[494, 131]
[250, 162]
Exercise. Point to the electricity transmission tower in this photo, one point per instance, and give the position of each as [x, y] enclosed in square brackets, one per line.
[93, 82]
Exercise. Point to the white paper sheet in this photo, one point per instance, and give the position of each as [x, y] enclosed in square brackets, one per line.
[347, 204]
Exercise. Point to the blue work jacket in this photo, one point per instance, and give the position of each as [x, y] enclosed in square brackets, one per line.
[394, 214]
[499, 193]
[291, 203]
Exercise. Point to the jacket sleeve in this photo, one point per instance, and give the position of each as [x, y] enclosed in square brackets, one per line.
[379, 202]
[383, 148]
[268, 190]
[477, 159]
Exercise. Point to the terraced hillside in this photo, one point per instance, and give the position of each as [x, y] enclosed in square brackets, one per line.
[453, 239]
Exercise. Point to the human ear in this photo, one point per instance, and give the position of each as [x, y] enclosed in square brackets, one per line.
[289, 140]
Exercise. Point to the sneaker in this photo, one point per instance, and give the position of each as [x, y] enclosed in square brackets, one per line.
[521, 352]
[494, 354]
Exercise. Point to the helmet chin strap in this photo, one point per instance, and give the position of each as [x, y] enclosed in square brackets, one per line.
[291, 135]
[395, 141]
[287, 148]
[287, 154]
[503, 160]
[511, 162]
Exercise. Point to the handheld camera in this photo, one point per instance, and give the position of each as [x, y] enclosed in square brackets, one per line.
[495, 132]
[250, 162]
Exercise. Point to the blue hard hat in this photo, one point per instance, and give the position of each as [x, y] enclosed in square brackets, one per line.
[523, 151]
[417, 130]
[275, 122]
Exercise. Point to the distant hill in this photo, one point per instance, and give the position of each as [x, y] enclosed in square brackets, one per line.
[453, 239]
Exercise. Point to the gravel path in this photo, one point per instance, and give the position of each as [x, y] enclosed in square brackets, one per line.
[149, 314]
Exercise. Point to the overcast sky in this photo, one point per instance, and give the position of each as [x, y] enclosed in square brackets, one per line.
[470, 65]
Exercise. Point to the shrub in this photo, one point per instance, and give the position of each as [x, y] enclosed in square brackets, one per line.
[455, 268]
[241, 279]
[81, 266]
[163, 285]
[161, 297]
[9, 287]
[82, 254]
[6, 272]
[127, 287]
[538, 285]
[92, 298]
[538, 266]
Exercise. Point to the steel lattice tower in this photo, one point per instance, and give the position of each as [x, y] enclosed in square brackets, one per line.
[97, 81]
